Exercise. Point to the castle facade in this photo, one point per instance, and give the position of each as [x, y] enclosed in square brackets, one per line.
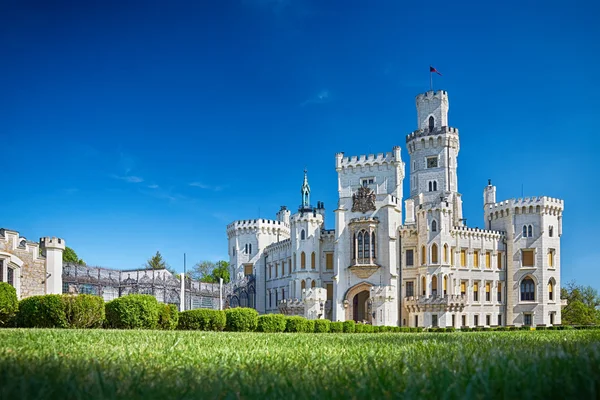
[425, 268]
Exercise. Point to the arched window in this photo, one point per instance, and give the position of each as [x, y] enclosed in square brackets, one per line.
[354, 247]
[430, 186]
[367, 240]
[431, 123]
[423, 256]
[360, 245]
[435, 186]
[302, 260]
[434, 226]
[527, 290]
[524, 230]
[313, 284]
[246, 248]
[550, 231]
[434, 285]
[373, 245]
[445, 285]
[303, 285]
[530, 231]
[313, 261]
[423, 286]
[434, 253]
[250, 249]
[445, 253]
[550, 290]
[302, 235]
[295, 265]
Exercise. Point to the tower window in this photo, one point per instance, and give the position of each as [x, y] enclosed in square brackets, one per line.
[432, 162]
[431, 124]
[550, 231]
[434, 226]
[435, 186]
[410, 289]
[530, 231]
[302, 235]
[524, 230]
[410, 258]
[527, 290]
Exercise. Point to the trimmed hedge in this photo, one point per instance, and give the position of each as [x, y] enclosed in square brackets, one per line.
[84, 310]
[336, 327]
[134, 311]
[168, 316]
[271, 323]
[202, 320]
[46, 311]
[241, 319]
[9, 304]
[349, 326]
[322, 325]
[297, 324]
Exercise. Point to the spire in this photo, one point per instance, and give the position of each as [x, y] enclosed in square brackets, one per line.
[305, 192]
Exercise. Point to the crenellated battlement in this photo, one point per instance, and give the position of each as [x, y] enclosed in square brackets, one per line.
[255, 225]
[430, 95]
[422, 133]
[13, 241]
[525, 205]
[282, 245]
[307, 217]
[365, 160]
[476, 232]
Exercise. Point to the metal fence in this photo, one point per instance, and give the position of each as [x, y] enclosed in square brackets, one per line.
[166, 287]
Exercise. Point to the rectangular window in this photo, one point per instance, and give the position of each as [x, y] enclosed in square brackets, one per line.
[330, 291]
[410, 289]
[416, 320]
[328, 260]
[499, 260]
[276, 270]
[488, 259]
[499, 292]
[527, 258]
[463, 258]
[475, 291]
[453, 320]
[476, 258]
[1, 270]
[499, 319]
[247, 269]
[410, 258]
[452, 256]
[551, 258]
[551, 318]
[290, 266]
[432, 162]
[527, 319]
[488, 320]
[10, 276]
[463, 288]
[367, 181]
[270, 299]
[464, 320]
[434, 320]
[488, 294]
[476, 320]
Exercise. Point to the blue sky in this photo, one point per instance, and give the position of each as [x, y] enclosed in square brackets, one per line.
[132, 127]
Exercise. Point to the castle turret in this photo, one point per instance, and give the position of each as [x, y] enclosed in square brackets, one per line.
[305, 190]
[52, 249]
[489, 198]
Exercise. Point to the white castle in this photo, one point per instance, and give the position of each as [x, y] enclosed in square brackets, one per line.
[426, 269]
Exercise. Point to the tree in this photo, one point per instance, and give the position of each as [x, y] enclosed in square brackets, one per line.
[210, 272]
[157, 262]
[583, 305]
[70, 256]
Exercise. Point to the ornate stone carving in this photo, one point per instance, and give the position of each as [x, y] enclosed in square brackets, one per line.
[364, 200]
[364, 271]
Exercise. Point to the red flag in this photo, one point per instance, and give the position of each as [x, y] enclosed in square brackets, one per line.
[431, 69]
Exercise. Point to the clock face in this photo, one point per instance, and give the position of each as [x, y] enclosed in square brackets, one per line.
[432, 162]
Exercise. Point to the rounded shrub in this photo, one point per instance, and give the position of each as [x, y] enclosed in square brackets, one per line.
[359, 328]
[310, 326]
[271, 323]
[168, 316]
[241, 319]
[349, 326]
[46, 311]
[134, 311]
[297, 324]
[336, 327]
[202, 320]
[84, 310]
[450, 329]
[404, 329]
[9, 304]
[322, 325]
[369, 328]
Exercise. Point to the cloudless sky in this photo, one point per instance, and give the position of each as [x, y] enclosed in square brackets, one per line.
[131, 127]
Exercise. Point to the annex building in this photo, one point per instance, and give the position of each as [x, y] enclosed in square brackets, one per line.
[423, 267]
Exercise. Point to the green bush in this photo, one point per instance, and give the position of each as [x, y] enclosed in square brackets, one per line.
[133, 311]
[9, 304]
[349, 326]
[202, 320]
[336, 327]
[168, 316]
[241, 319]
[47, 311]
[297, 324]
[84, 310]
[271, 323]
[310, 326]
[322, 325]
[404, 329]
[359, 328]
[450, 329]
[369, 329]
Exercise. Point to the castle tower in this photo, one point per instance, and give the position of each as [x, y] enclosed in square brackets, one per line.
[433, 150]
[305, 190]
[52, 249]
[489, 198]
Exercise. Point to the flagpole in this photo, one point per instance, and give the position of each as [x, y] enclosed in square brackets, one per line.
[430, 80]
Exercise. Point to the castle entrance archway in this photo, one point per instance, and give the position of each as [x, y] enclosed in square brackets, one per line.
[357, 303]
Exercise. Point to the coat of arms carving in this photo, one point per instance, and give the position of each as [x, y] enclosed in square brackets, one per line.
[364, 200]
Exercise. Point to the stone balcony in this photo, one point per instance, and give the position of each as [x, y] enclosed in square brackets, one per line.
[452, 302]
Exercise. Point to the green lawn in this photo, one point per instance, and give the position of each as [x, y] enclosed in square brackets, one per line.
[105, 364]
